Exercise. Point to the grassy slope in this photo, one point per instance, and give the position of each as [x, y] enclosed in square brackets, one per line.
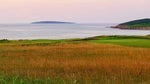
[76, 61]
[132, 41]
[31, 42]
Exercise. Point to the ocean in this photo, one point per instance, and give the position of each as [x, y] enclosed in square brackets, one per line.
[61, 31]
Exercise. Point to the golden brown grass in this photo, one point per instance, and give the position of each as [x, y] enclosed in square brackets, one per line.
[80, 61]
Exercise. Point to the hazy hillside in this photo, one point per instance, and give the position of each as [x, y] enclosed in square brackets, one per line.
[135, 24]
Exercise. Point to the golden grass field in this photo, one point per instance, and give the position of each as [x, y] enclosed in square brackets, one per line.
[99, 63]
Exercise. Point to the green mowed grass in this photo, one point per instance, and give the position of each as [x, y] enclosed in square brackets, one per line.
[123, 40]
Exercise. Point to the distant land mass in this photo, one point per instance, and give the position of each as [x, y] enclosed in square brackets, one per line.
[52, 22]
[141, 24]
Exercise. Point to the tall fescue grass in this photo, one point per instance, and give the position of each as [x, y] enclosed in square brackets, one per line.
[75, 63]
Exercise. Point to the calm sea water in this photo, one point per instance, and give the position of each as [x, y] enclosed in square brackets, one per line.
[36, 31]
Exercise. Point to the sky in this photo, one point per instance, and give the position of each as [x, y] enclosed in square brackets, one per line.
[80, 11]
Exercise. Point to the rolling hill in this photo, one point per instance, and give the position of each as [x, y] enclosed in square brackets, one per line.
[141, 24]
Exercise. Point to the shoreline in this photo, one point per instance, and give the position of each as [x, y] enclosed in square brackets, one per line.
[130, 28]
[92, 37]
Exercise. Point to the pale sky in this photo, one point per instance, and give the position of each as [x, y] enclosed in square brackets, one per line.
[80, 11]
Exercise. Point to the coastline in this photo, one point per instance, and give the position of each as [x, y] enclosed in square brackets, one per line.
[77, 39]
[130, 28]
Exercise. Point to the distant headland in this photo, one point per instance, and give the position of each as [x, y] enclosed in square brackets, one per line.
[52, 22]
[141, 24]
